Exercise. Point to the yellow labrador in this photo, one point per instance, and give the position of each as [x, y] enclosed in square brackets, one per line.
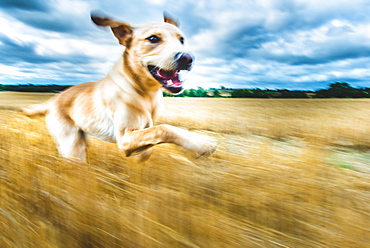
[121, 107]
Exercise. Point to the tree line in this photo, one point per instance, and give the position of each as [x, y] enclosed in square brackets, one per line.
[335, 90]
[33, 88]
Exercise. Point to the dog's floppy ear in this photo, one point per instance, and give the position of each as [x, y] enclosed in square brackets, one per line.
[122, 31]
[170, 20]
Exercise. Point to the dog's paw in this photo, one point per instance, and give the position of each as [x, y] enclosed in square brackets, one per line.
[207, 149]
[203, 146]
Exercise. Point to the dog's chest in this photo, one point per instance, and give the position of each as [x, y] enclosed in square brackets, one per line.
[96, 122]
[102, 129]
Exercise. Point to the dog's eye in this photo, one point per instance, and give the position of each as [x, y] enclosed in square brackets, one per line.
[182, 40]
[153, 39]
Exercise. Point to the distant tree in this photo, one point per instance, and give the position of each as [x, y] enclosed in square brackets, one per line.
[216, 93]
[341, 90]
[241, 93]
[201, 92]
[258, 93]
[292, 94]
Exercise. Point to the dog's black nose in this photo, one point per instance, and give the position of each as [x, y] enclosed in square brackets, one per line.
[184, 61]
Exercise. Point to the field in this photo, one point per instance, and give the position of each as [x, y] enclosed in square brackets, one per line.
[287, 173]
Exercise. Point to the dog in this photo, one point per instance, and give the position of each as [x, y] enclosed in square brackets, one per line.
[122, 106]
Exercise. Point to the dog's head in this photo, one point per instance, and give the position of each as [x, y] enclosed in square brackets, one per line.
[154, 51]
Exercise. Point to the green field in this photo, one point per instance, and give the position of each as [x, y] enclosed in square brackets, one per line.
[287, 173]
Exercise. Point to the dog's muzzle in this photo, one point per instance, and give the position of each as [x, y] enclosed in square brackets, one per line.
[184, 61]
[170, 79]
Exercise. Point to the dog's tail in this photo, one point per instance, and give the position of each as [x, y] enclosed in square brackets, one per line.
[37, 109]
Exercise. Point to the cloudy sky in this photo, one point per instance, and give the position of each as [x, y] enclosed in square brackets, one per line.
[293, 44]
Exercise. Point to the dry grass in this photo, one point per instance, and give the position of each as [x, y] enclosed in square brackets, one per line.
[287, 173]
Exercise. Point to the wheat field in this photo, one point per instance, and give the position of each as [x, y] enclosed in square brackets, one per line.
[287, 173]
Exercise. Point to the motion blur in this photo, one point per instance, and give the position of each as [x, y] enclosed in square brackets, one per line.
[287, 173]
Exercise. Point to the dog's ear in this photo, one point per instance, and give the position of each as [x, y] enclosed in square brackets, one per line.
[122, 31]
[170, 20]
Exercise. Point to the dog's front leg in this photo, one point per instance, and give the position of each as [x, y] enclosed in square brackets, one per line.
[140, 140]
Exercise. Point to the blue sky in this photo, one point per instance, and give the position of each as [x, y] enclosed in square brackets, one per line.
[293, 44]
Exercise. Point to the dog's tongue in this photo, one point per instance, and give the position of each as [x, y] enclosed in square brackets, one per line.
[171, 77]
[166, 74]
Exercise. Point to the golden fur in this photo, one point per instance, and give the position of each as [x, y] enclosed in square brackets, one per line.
[121, 107]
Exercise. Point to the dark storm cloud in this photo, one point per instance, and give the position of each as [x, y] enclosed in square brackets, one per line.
[46, 21]
[191, 22]
[40, 14]
[30, 5]
[13, 53]
[343, 49]
[337, 49]
[246, 39]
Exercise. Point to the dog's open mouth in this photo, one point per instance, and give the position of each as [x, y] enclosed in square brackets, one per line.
[170, 80]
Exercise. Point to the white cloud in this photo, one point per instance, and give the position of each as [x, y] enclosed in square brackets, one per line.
[237, 43]
[14, 72]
